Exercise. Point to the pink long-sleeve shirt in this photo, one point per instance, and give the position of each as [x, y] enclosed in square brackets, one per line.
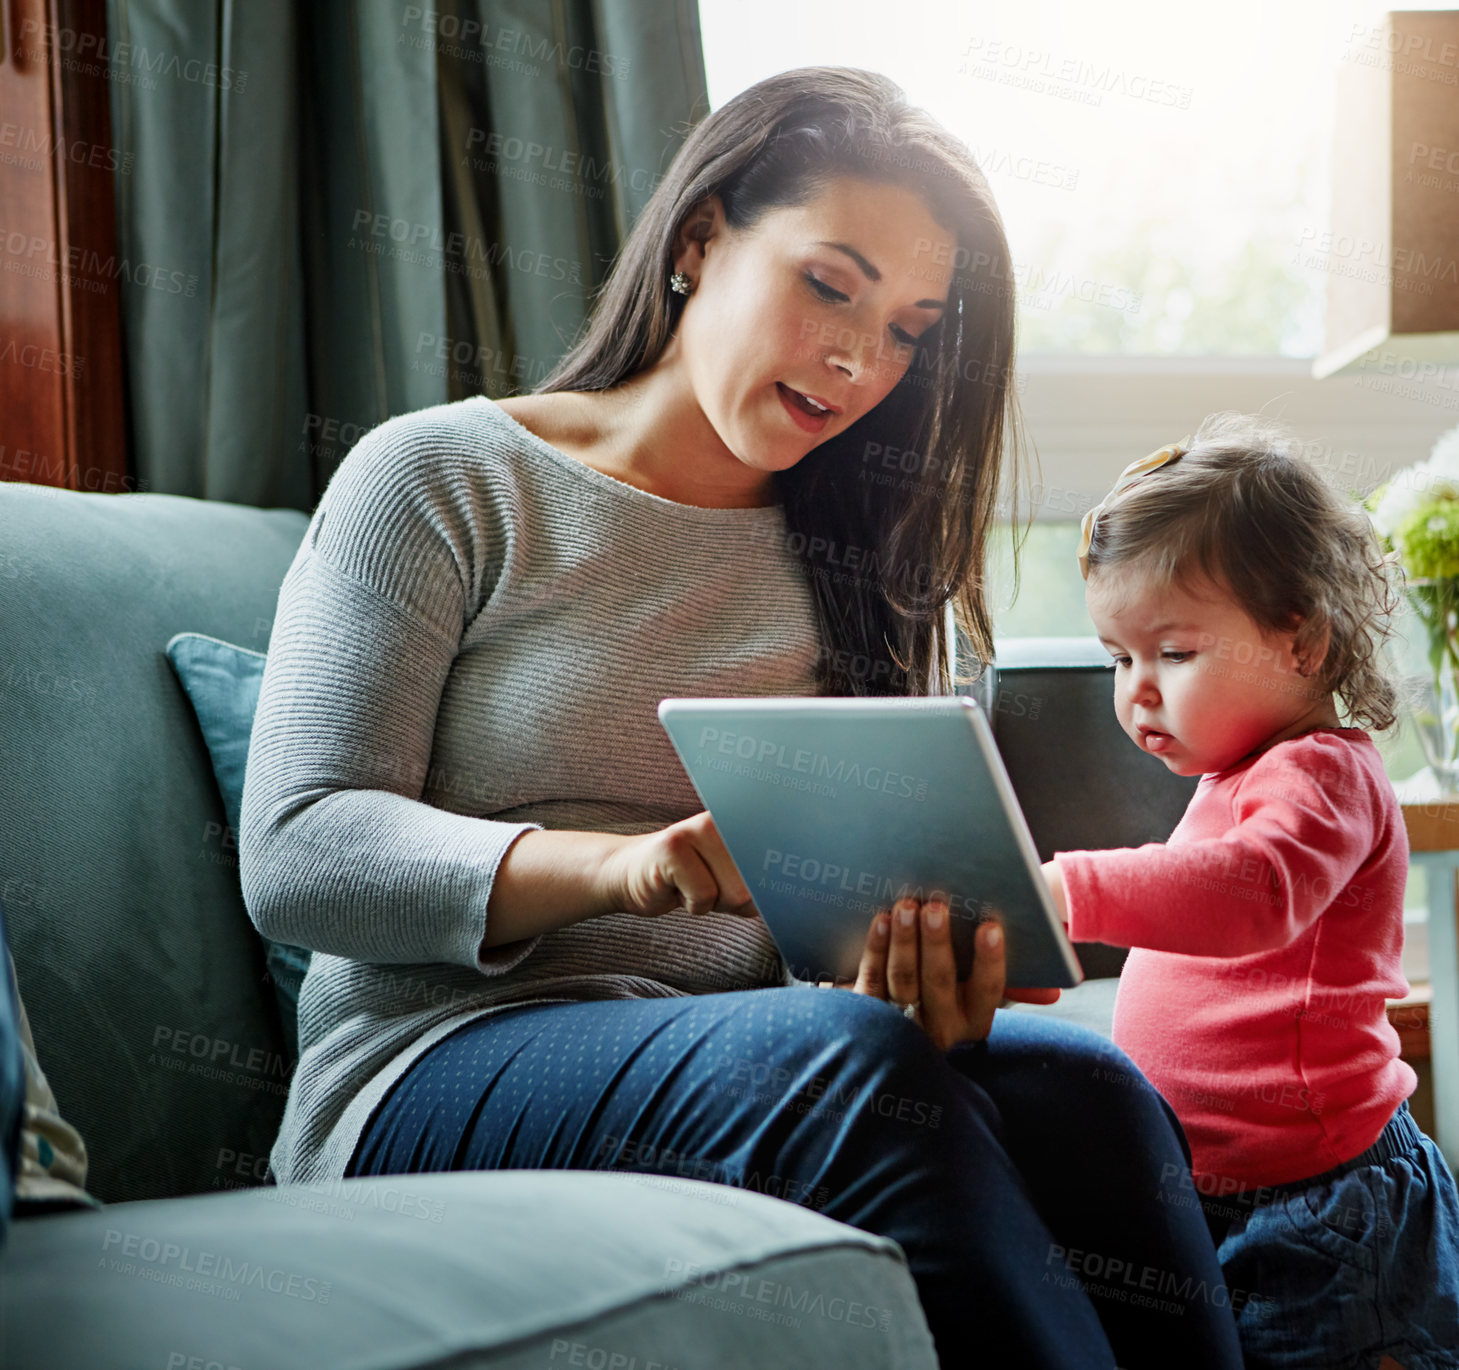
[1266, 936]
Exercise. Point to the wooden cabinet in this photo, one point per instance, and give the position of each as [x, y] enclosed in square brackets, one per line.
[62, 419]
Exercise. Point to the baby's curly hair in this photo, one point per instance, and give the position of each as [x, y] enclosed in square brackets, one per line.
[1245, 510]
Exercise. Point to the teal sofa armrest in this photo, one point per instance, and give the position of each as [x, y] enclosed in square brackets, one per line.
[143, 976]
[502, 1270]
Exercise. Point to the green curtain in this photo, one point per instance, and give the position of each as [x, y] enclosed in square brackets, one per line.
[348, 209]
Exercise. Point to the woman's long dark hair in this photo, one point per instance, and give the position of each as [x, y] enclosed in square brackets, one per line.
[920, 534]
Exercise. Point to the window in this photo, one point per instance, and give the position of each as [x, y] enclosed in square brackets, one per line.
[1161, 174]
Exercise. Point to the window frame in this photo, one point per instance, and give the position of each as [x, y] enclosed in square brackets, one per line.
[1088, 416]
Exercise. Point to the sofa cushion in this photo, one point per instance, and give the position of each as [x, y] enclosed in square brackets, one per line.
[1080, 781]
[222, 683]
[1090, 1004]
[144, 978]
[506, 1269]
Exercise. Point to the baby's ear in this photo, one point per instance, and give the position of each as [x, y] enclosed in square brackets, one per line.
[1311, 653]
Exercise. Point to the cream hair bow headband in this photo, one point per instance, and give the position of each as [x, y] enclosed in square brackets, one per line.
[1127, 478]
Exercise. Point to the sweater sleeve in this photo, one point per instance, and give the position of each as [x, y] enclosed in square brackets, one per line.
[337, 850]
[1288, 851]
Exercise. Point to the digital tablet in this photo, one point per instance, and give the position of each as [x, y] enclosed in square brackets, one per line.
[832, 808]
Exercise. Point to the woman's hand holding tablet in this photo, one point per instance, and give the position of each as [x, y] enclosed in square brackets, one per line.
[908, 962]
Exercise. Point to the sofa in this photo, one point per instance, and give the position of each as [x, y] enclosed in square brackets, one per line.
[153, 1016]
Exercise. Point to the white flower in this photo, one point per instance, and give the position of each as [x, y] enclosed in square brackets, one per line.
[1420, 484]
[1444, 458]
[1399, 499]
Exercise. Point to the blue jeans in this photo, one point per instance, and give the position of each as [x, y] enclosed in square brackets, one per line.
[1356, 1264]
[1038, 1185]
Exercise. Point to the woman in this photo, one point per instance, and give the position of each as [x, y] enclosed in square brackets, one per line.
[531, 950]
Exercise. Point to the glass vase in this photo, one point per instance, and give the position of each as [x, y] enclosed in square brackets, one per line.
[1433, 699]
[1434, 704]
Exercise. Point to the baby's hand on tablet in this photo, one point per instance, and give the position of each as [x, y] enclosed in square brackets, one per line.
[1056, 890]
[908, 960]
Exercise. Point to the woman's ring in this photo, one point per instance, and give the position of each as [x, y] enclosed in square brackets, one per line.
[913, 1010]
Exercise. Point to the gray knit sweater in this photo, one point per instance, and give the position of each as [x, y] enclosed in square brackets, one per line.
[471, 642]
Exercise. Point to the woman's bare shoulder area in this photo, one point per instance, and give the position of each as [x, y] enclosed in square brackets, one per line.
[563, 420]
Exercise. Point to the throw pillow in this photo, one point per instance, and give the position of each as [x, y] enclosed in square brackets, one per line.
[52, 1155]
[222, 682]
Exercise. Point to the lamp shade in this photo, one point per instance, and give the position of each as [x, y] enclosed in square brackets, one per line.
[1391, 253]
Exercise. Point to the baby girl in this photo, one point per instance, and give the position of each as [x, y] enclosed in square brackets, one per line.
[1243, 601]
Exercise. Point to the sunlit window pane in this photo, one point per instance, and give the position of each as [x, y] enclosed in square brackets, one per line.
[1163, 169]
